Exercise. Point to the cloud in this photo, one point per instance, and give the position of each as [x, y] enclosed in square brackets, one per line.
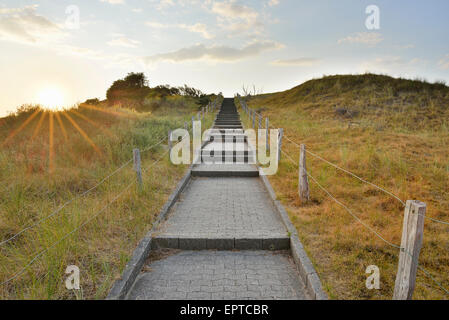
[196, 28]
[114, 1]
[444, 62]
[367, 38]
[299, 62]
[214, 53]
[273, 3]
[123, 41]
[165, 4]
[237, 18]
[24, 25]
[391, 64]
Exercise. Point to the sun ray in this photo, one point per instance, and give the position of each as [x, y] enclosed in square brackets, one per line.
[81, 131]
[39, 124]
[51, 142]
[21, 127]
[61, 125]
[115, 113]
[95, 124]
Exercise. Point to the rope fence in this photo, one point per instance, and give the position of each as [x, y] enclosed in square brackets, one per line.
[211, 107]
[414, 213]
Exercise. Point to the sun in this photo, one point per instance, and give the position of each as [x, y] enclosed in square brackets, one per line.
[51, 98]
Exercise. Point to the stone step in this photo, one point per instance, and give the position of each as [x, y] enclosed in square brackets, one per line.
[228, 127]
[225, 170]
[219, 275]
[228, 159]
[221, 243]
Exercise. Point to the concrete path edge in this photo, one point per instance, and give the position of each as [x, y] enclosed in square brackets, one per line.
[300, 257]
[123, 285]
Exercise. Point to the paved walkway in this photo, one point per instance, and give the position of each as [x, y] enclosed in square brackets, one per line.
[220, 275]
[229, 233]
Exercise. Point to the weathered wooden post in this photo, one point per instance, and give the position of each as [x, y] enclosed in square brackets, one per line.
[254, 119]
[303, 184]
[193, 120]
[281, 134]
[267, 134]
[199, 116]
[202, 113]
[186, 126]
[260, 122]
[412, 234]
[137, 166]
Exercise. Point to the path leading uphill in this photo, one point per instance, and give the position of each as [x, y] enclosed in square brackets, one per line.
[227, 239]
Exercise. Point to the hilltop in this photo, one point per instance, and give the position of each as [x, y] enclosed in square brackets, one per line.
[410, 104]
[391, 132]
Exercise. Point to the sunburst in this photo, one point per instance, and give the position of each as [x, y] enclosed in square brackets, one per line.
[81, 131]
[45, 114]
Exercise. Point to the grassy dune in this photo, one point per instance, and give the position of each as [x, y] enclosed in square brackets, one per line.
[392, 132]
[40, 171]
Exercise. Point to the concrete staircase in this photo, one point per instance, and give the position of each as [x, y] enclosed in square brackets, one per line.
[227, 239]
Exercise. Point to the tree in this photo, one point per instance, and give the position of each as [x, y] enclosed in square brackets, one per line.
[136, 80]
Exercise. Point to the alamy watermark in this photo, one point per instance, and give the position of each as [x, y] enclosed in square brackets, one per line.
[72, 282]
[72, 21]
[226, 147]
[372, 22]
[373, 280]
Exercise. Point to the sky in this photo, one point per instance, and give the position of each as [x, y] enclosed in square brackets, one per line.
[68, 51]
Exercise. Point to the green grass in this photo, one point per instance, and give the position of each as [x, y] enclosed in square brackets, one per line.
[398, 139]
[38, 178]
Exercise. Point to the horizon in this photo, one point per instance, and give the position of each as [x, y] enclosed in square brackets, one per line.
[60, 54]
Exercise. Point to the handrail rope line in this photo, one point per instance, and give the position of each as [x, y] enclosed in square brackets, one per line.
[67, 203]
[363, 180]
[367, 226]
[153, 146]
[67, 235]
[350, 173]
[144, 170]
[74, 198]
[427, 273]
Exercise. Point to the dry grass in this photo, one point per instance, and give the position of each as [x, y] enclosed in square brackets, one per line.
[400, 142]
[37, 179]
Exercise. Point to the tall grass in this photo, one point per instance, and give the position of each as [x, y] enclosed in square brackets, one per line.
[399, 141]
[36, 181]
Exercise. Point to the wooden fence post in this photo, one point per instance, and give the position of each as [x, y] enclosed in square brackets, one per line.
[281, 134]
[137, 166]
[303, 185]
[254, 119]
[260, 122]
[186, 126]
[412, 234]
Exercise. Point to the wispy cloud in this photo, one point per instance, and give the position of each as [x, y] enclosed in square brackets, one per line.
[299, 62]
[367, 38]
[444, 62]
[114, 1]
[273, 3]
[24, 25]
[389, 64]
[214, 53]
[195, 28]
[121, 40]
[237, 18]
